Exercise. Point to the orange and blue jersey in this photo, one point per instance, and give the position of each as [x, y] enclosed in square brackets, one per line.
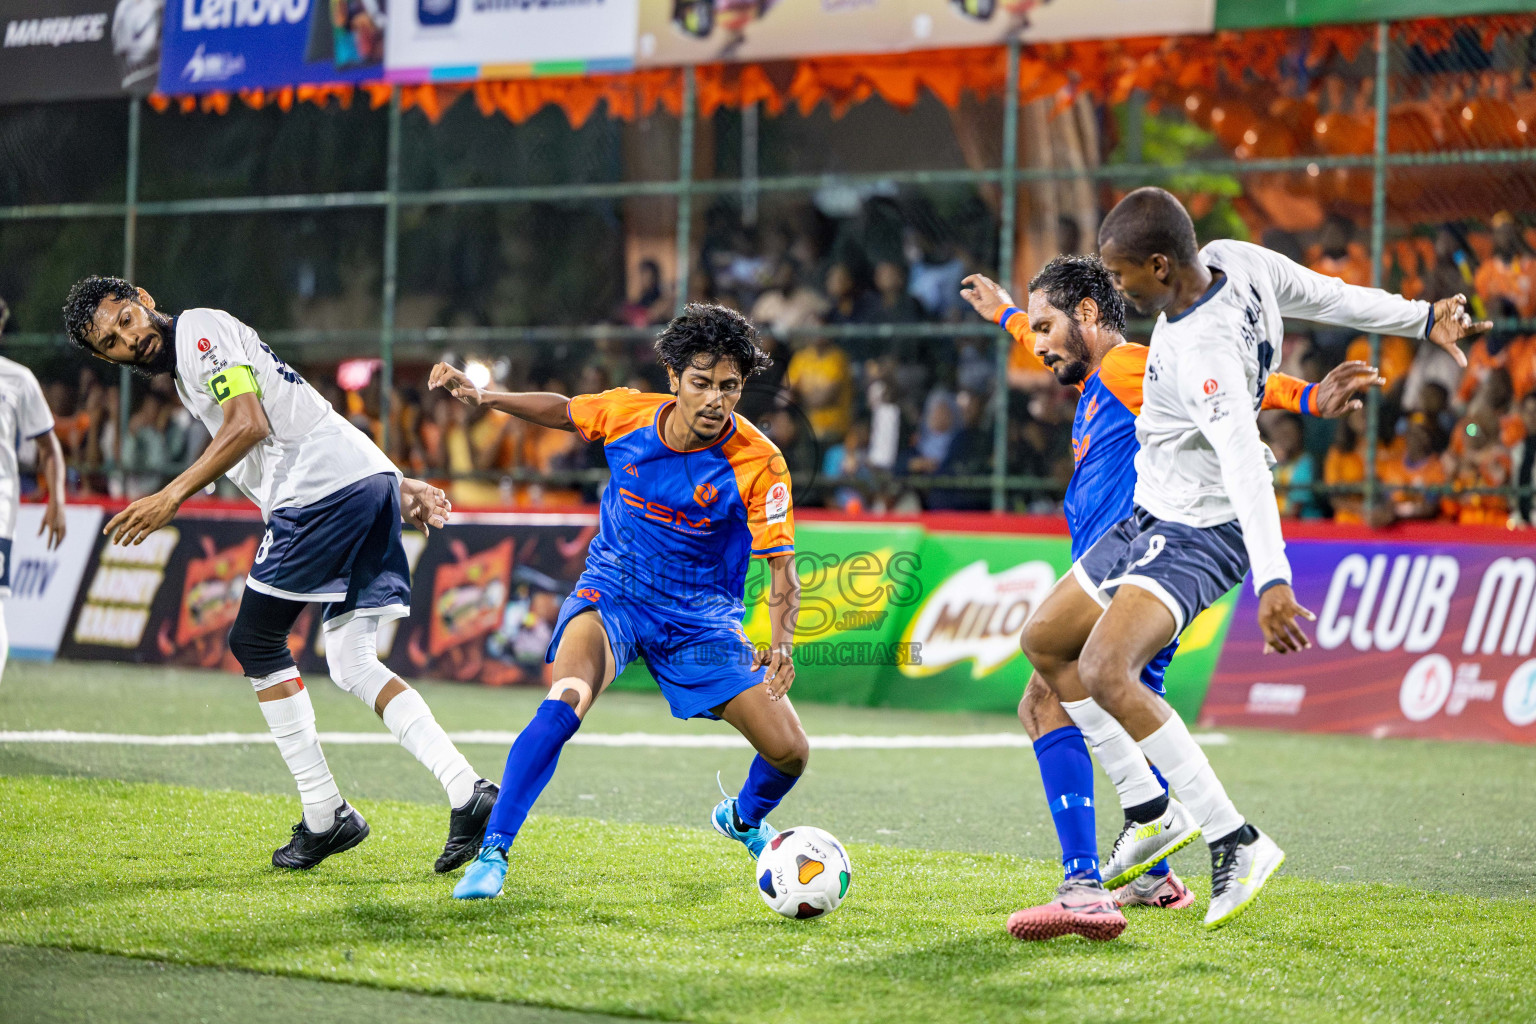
[679, 528]
[1104, 434]
[676, 534]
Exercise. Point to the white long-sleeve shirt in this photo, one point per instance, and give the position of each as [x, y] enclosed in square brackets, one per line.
[1201, 460]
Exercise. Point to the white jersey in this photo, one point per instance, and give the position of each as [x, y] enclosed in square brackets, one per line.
[1201, 461]
[23, 414]
[311, 452]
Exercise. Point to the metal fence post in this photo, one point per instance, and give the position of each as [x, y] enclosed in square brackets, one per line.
[391, 268]
[130, 247]
[1005, 246]
[1378, 245]
[685, 193]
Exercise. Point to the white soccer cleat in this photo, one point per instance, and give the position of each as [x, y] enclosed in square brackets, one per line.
[1142, 844]
[1239, 869]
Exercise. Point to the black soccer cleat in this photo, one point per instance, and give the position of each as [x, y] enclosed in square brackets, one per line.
[306, 848]
[466, 828]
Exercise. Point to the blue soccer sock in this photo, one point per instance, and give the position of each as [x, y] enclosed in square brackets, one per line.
[1161, 868]
[530, 764]
[761, 793]
[1067, 772]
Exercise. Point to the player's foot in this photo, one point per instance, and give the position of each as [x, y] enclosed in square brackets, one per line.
[484, 877]
[306, 848]
[1080, 908]
[1165, 891]
[1240, 865]
[1142, 844]
[466, 827]
[729, 825]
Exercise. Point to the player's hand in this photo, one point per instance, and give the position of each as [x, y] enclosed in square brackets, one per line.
[985, 295]
[423, 506]
[53, 523]
[1453, 323]
[455, 382]
[142, 518]
[1340, 391]
[781, 668]
[1277, 618]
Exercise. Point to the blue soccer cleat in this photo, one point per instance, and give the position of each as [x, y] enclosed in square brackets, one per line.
[754, 839]
[484, 877]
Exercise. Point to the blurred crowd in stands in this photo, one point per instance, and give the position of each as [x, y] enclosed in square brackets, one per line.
[881, 424]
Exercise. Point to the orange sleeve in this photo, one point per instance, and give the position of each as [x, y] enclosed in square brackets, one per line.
[613, 413]
[1122, 370]
[762, 477]
[1282, 391]
[1016, 322]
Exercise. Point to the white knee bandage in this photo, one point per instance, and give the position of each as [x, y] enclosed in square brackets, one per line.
[282, 675]
[352, 655]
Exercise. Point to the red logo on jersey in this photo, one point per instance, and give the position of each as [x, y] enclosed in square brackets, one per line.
[1211, 386]
[705, 493]
[588, 594]
[203, 344]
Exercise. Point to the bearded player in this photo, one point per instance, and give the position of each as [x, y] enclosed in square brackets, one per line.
[1076, 319]
[697, 492]
[333, 505]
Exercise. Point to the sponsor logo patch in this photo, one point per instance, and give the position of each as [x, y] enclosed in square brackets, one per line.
[776, 507]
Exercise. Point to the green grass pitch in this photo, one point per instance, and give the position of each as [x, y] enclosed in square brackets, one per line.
[134, 883]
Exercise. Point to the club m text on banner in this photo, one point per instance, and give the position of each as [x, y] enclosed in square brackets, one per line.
[78, 49]
[44, 582]
[448, 40]
[247, 44]
[706, 31]
[1431, 640]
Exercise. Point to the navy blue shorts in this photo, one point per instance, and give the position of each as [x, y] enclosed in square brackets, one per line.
[5, 567]
[1188, 568]
[699, 663]
[344, 550]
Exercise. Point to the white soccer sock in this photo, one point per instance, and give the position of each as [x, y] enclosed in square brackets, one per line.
[292, 721]
[1118, 754]
[1189, 774]
[411, 721]
[5, 641]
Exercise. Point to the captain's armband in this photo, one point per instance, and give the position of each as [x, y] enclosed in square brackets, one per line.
[237, 380]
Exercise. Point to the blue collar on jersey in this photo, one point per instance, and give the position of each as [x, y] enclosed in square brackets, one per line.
[730, 428]
[1210, 293]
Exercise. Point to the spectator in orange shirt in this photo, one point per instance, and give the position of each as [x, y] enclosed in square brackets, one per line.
[1345, 464]
[1503, 349]
[1420, 475]
[1484, 463]
[1338, 255]
[1523, 461]
[1511, 272]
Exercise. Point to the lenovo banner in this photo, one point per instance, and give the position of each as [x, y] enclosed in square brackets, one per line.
[78, 49]
[246, 44]
[1427, 640]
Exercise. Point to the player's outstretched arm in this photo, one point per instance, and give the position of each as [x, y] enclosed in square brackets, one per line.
[544, 408]
[1334, 396]
[245, 426]
[986, 296]
[51, 457]
[422, 505]
[784, 616]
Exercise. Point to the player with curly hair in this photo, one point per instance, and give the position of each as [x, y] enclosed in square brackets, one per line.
[697, 492]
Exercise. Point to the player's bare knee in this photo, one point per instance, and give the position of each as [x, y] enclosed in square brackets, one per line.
[1105, 674]
[1036, 696]
[1041, 646]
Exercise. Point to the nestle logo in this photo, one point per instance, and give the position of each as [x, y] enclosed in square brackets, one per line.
[1275, 698]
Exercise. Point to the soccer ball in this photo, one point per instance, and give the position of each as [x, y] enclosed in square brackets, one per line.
[803, 872]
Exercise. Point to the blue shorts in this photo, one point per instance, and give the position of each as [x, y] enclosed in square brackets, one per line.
[5, 567]
[1188, 568]
[343, 550]
[700, 663]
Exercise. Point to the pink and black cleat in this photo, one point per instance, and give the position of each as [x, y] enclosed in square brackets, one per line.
[1166, 892]
[1080, 908]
